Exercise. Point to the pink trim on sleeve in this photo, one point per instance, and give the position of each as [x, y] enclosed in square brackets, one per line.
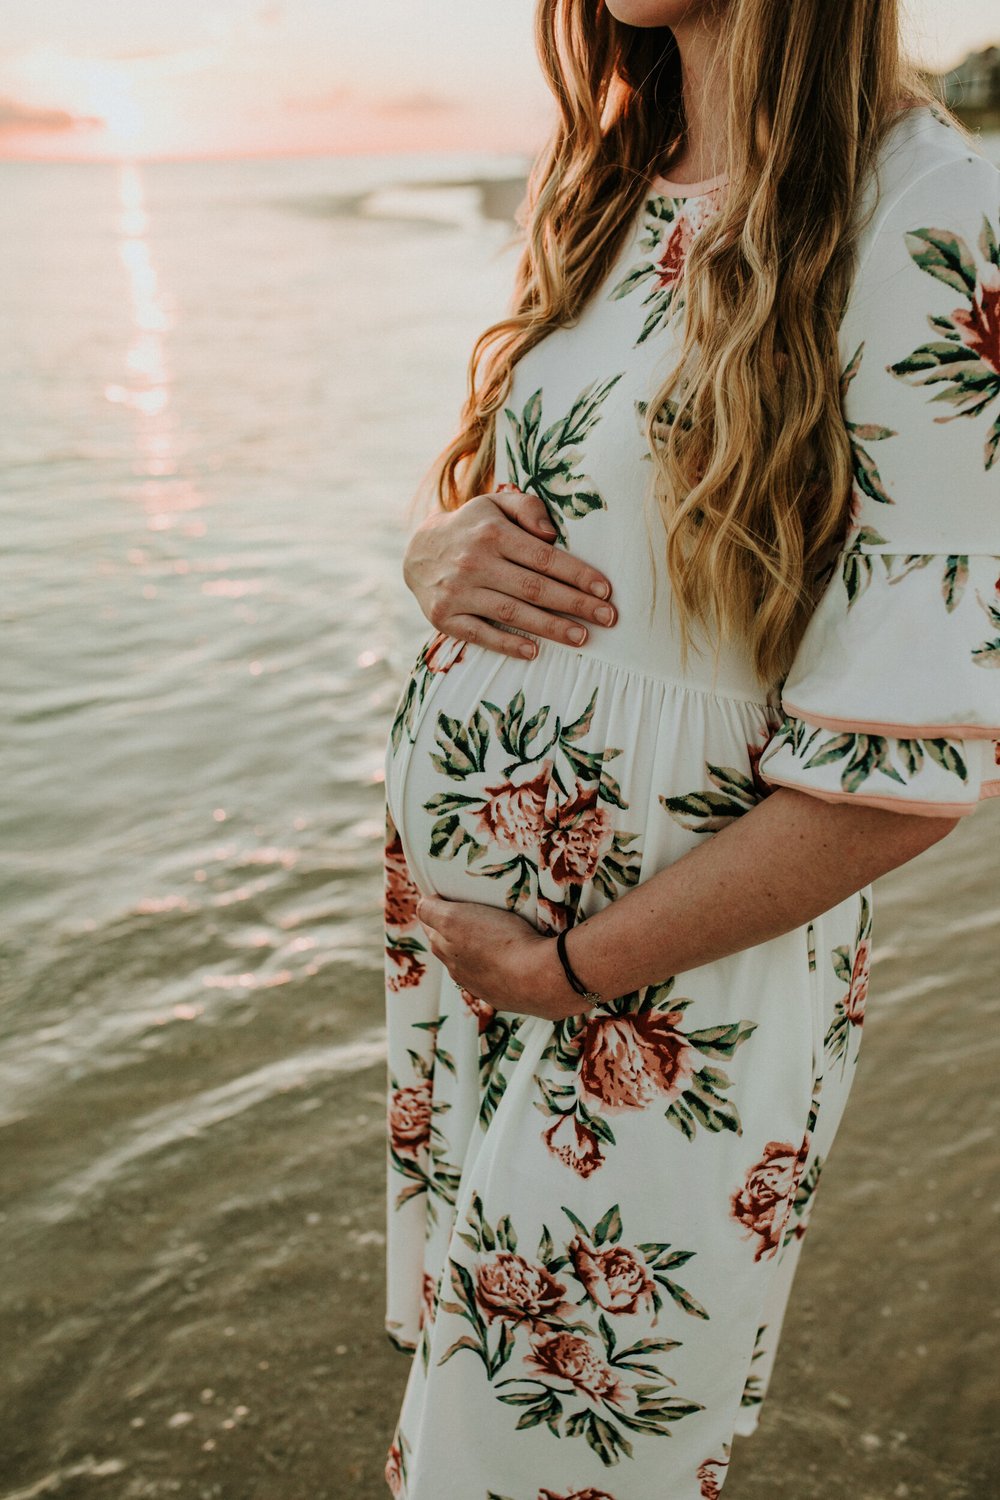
[897, 731]
[891, 804]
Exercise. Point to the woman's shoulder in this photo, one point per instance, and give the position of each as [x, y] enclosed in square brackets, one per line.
[924, 157]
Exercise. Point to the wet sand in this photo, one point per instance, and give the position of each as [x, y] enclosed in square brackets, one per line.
[219, 1332]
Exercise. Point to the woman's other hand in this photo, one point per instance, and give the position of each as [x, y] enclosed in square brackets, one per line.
[499, 957]
[493, 560]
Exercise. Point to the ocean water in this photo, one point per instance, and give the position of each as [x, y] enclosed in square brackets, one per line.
[221, 384]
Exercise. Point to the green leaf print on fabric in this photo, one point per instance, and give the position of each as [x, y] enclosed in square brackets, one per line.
[865, 754]
[858, 569]
[798, 1219]
[705, 810]
[626, 1055]
[554, 822]
[546, 463]
[439, 654]
[987, 653]
[499, 1044]
[851, 967]
[867, 478]
[555, 1319]
[463, 746]
[966, 355]
[753, 1394]
[666, 239]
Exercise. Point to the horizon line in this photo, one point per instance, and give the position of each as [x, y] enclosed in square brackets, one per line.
[136, 160]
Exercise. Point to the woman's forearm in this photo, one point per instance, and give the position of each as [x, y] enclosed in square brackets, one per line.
[774, 868]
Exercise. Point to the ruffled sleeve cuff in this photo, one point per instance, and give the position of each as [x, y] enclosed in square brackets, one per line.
[893, 698]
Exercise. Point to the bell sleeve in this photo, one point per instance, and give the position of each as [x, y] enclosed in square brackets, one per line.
[893, 696]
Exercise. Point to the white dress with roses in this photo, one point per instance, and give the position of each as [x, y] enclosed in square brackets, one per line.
[593, 1226]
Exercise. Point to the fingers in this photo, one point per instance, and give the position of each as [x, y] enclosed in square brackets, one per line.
[527, 511]
[432, 915]
[530, 602]
[480, 632]
[556, 562]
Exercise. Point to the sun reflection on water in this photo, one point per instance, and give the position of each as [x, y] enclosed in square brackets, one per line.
[148, 390]
[148, 386]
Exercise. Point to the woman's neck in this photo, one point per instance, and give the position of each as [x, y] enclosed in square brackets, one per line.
[703, 154]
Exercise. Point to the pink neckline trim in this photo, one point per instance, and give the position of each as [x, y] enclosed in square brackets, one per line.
[689, 189]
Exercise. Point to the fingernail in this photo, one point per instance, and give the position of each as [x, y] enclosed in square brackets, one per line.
[527, 650]
[549, 530]
[605, 614]
[577, 633]
[602, 590]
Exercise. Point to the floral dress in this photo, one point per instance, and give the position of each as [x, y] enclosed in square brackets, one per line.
[593, 1225]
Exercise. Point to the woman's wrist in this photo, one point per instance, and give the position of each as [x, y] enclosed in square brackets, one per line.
[558, 988]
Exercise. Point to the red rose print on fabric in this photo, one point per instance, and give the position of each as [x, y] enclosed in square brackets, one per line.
[670, 266]
[440, 655]
[393, 1472]
[483, 1012]
[514, 816]
[428, 1301]
[395, 1466]
[762, 1203]
[528, 1321]
[615, 1279]
[981, 321]
[401, 895]
[854, 1005]
[771, 1190]
[410, 1119]
[631, 1054]
[588, 1494]
[669, 230]
[710, 1475]
[574, 840]
[628, 1060]
[508, 1287]
[544, 812]
[403, 949]
[574, 1145]
[569, 1357]
[404, 954]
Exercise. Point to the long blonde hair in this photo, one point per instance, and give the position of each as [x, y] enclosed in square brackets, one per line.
[751, 458]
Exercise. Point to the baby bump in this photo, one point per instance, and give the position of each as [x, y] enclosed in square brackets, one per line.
[503, 778]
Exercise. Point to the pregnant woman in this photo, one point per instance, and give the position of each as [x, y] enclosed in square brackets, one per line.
[749, 383]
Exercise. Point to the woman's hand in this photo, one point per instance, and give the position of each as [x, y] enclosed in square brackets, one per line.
[493, 560]
[499, 957]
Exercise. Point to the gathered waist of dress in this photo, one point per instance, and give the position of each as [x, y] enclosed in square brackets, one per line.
[655, 658]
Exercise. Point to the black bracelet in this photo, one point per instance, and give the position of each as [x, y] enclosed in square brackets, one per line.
[578, 985]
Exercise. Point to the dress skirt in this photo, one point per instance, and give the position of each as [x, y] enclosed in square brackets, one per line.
[593, 1225]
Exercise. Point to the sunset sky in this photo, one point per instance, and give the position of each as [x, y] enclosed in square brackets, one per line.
[92, 79]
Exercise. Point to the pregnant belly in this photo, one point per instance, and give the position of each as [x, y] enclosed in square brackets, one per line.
[505, 778]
